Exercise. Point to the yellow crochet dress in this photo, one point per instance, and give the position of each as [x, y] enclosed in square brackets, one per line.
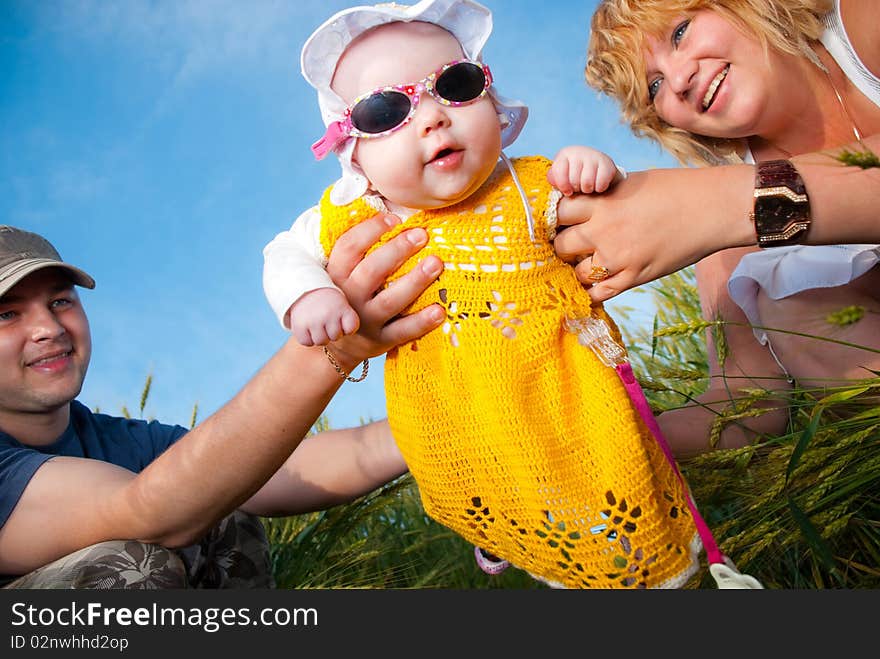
[518, 437]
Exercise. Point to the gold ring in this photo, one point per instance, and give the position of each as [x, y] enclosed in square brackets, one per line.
[597, 273]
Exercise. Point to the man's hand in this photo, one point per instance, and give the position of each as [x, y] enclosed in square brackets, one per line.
[362, 279]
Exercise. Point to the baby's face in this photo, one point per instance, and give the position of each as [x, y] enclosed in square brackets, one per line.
[444, 153]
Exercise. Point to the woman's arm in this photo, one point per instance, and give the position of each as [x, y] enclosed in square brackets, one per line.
[330, 468]
[749, 365]
[658, 221]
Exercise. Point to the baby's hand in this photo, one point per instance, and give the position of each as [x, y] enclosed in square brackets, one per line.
[322, 316]
[582, 169]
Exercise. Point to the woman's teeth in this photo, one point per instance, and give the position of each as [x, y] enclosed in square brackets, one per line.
[710, 93]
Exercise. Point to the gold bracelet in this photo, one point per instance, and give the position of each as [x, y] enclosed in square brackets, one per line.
[365, 367]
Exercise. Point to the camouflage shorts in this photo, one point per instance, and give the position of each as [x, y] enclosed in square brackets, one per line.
[234, 554]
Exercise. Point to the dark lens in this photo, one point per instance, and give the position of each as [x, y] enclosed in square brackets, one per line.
[461, 82]
[380, 112]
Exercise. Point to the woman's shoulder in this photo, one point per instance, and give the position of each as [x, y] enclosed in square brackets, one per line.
[859, 18]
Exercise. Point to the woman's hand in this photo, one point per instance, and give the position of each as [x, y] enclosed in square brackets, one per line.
[653, 223]
[362, 279]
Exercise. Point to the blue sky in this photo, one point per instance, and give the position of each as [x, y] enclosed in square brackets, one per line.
[161, 144]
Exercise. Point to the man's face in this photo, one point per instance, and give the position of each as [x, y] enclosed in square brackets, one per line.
[45, 344]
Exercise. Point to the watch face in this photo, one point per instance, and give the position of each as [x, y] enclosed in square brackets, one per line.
[778, 220]
[782, 208]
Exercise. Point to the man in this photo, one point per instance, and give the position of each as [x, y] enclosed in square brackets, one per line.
[93, 501]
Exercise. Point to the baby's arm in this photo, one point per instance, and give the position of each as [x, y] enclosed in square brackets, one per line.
[322, 316]
[298, 288]
[582, 169]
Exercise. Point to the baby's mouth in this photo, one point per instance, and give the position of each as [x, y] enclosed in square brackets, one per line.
[442, 154]
[709, 98]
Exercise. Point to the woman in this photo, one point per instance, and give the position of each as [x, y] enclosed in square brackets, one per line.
[734, 81]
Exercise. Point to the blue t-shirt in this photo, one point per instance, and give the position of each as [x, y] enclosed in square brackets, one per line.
[128, 443]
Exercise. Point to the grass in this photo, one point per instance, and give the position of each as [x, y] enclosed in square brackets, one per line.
[799, 510]
[382, 540]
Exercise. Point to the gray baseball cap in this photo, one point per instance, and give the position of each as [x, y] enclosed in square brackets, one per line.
[23, 253]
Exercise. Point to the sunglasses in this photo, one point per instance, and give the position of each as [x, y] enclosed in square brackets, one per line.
[382, 111]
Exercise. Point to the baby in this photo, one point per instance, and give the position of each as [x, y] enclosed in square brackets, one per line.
[520, 438]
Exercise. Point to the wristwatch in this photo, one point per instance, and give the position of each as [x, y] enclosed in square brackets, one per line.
[782, 208]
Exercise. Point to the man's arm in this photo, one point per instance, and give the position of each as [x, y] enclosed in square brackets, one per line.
[71, 503]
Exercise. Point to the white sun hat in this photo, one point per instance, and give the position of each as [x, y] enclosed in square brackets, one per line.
[469, 22]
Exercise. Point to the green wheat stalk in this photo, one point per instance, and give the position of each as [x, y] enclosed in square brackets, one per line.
[865, 159]
[145, 393]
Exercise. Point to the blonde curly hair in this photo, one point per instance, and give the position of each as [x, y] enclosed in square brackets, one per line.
[616, 64]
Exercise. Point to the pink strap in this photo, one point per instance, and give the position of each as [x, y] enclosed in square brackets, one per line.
[336, 134]
[624, 370]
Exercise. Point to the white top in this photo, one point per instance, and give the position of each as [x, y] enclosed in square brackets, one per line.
[836, 41]
[784, 271]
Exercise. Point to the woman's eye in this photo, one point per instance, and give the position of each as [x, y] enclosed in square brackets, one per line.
[678, 32]
[653, 88]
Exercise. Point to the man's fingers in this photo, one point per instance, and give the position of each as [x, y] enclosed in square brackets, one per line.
[353, 244]
[392, 300]
[412, 326]
[371, 273]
